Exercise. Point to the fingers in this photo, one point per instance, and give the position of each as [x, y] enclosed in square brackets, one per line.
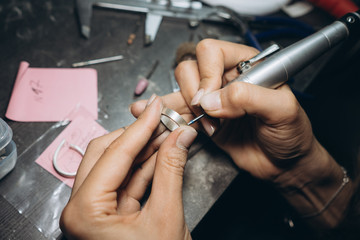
[187, 75]
[152, 147]
[239, 98]
[131, 195]
[174, 101]
[113, 166]
[166, 192]
[93, 152]
[188, 78]
[215, 66]
[215, 58]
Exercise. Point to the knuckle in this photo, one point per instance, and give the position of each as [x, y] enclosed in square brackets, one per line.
[80, 218]
[291, 105]
[205, 45]
[181, 67]
[69, 222]
[98, 144]
[253, 51]
[95, 142]
[239, 95]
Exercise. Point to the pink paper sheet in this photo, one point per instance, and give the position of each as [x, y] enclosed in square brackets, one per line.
[50, 94]
[79, 132]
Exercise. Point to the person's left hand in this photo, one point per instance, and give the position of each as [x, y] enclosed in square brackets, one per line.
[105, 201]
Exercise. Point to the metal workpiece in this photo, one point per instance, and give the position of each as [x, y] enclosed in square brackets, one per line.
[282, 65]
[171, 119]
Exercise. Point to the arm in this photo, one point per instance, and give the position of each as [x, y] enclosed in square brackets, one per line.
[320, 193]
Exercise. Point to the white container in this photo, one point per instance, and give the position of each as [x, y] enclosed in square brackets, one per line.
[8, 153]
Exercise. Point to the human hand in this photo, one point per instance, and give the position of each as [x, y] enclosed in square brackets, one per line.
[105, 200]
[265, 131]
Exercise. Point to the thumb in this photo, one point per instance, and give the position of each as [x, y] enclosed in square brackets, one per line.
[166, 192]
[239, 98]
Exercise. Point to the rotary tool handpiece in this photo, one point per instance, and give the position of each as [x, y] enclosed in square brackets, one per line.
[282, 65]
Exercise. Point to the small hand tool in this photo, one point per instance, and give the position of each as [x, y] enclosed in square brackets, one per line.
[144, 81]
[132, 35]
[278, 68]
[195, 119]
[97, 61]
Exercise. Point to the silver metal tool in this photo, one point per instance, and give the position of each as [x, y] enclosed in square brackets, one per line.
[196, 119]
[194, 11]
[97, 61]
[243, 67]
[152, 24]
[284, 64]
[278, 68]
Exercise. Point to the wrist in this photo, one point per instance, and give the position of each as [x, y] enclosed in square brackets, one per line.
[315, 167]
[318, 188]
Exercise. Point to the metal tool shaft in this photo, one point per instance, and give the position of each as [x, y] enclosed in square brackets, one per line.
[97, 61]
[196, 119]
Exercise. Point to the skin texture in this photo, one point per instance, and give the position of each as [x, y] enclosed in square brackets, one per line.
[259, 137]
[265, 131]
[114, 175]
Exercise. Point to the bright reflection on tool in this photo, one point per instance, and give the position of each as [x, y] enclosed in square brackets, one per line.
[97, 61]
[195, 119]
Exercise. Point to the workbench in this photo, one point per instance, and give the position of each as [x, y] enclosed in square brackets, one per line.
[46, 34]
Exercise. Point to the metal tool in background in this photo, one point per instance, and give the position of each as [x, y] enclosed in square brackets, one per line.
[143, 82]
[279, 67]
[194, 11]
[97, 61]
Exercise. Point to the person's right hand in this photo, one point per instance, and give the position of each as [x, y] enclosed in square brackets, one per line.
[265, 131]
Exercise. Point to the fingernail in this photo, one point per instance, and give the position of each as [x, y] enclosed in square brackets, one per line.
[211, 101]
[196, 99]
[151, 99]
[186, 137]
[208, 127]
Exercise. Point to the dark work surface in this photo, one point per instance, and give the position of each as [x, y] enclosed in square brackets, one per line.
[46, 34]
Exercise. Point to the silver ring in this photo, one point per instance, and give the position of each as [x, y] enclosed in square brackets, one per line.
[171, 119]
